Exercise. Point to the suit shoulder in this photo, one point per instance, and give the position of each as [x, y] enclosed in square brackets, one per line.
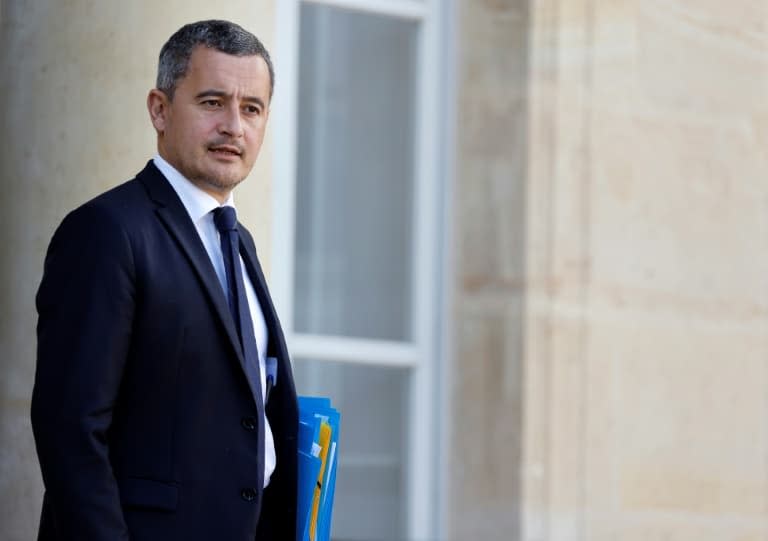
[122, 200]
[120, 206]
[112, 218]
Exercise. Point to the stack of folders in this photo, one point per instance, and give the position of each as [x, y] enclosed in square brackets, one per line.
[318, 457]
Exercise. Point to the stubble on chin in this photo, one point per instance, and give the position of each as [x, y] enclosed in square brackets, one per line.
[220, 182]
[220, 185]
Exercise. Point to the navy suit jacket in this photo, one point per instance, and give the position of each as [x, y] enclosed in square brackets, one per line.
[143, 416]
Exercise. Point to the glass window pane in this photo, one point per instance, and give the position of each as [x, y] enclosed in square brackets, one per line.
[355, 175]
[370, 488]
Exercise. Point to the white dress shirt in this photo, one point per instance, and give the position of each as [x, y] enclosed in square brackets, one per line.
[199, 206]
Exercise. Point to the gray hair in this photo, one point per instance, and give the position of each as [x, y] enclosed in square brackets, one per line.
[222, 36]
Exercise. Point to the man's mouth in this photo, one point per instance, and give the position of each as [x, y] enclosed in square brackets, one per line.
[225, 150]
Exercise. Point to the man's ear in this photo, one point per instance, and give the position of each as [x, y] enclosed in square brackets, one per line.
[157, 105]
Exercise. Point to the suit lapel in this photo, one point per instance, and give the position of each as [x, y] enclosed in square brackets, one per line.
[282, 403]
[175, 218]
[276, 346]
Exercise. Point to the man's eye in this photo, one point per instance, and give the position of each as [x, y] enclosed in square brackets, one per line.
[212, 103]
[252, 109]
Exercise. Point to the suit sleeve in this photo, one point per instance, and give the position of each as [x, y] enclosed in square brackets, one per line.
[85, 305]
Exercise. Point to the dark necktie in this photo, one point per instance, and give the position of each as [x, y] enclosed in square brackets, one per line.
[225, 219]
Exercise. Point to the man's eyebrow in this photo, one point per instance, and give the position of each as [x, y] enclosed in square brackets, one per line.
[213, 93]
[255, 99]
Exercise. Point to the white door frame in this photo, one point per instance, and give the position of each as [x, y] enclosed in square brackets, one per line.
[423, 461]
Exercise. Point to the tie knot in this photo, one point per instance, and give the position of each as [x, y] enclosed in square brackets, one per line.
[225, 219]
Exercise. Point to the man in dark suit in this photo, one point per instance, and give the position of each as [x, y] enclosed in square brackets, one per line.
[158, 343]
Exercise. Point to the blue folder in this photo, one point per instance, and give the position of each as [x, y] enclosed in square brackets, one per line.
[312, 411]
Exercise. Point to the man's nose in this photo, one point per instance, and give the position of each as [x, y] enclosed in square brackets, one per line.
[230, 122]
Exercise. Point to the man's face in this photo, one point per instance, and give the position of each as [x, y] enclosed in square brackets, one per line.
[212, 130]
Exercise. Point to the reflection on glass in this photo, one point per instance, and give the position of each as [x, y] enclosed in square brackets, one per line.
[354, 209]
[370, 489]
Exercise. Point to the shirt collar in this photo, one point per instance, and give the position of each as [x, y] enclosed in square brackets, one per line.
[197, 202]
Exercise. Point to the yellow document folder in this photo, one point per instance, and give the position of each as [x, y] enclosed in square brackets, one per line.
[325, 443]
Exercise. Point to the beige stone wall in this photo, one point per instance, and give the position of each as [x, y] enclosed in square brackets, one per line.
[644, 350]
[74, 79]
[483, 475]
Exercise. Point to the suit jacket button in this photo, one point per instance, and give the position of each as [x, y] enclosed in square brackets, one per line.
[248, 494]
[248, 423]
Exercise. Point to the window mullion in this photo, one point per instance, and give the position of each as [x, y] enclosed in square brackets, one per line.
[337, 348]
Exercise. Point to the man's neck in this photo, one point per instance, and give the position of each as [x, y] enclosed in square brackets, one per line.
[219, 194]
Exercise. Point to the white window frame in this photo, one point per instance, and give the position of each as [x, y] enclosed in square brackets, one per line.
[423, 471]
